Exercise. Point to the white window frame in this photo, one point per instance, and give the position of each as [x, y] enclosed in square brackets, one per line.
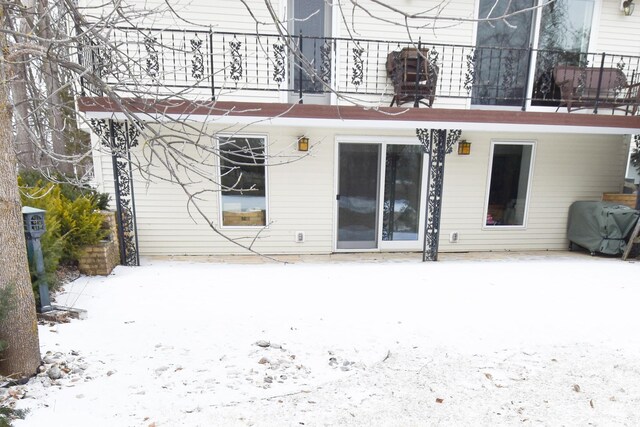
[494, 142]
[383, 141]
[265, 138]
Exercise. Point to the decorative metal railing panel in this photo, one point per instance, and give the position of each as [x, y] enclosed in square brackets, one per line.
[224, 62]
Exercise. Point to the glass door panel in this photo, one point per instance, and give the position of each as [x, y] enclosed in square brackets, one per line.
[312, 20]
[502, 53]
[402, 190]
[565, 30]
[358, 188]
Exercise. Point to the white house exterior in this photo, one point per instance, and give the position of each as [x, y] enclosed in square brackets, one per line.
[372, 179]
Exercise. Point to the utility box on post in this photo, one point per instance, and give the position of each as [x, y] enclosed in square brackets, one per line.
[34, 228]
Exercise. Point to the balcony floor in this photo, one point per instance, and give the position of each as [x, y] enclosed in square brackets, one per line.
[370, 118]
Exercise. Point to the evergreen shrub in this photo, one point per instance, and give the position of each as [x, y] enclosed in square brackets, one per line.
[72, 221]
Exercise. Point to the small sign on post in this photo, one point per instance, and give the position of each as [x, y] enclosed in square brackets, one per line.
[34, 228]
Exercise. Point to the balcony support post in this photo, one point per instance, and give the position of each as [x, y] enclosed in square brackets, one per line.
[119, 138]
[436, 144]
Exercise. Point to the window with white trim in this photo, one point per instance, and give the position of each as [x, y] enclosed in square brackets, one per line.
[509, 184]
[243, 199]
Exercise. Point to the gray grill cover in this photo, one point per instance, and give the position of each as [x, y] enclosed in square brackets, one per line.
[601, 226]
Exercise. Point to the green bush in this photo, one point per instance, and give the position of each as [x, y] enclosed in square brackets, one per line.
[68, 190]
[81, 224]
[70, 224]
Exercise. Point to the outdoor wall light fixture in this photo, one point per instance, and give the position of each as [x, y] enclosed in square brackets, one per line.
[627, 7]
[303, 143]
[464, 148]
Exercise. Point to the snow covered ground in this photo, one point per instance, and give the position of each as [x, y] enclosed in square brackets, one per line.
[552, 340]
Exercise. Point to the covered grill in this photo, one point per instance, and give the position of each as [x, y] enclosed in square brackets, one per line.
[601, 226]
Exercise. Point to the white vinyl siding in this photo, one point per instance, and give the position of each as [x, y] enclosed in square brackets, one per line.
[235, 17]
[301, 195]
[375, 21]
[373, 25]
[567, 168]
[227, 15]
[616, 33]
[612, 32]
[301, 189]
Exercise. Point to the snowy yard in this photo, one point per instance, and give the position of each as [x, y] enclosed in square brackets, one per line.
[536, 340]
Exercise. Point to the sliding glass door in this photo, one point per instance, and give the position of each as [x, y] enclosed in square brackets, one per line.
[506, 71]
[565, 30]
[402, 190]
[359, 169]
[380, 193]
[502, 52]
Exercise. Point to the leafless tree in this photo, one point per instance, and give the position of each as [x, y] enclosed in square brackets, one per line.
[39, 129]
[55, 50]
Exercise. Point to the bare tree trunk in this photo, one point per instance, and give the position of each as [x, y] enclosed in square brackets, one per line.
[26, 151]
[24, 145]
[20, 328]
[51, 76]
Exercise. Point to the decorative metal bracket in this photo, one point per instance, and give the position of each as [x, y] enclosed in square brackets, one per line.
[197, 59]
[278, 62]
[236, 69]
[470, 76]
[325, 62]
[119, 137]
[153, 64]
[453, 136]
[436, 143]
[357, 76]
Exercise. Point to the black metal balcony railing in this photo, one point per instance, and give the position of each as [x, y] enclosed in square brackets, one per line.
[220, 63]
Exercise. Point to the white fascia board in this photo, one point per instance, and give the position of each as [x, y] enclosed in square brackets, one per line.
[368, 124]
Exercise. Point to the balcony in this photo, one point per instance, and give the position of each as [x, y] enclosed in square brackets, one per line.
[227, 66]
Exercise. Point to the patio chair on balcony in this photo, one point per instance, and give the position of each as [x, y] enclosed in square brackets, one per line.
[411, 84]
[589, 87]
